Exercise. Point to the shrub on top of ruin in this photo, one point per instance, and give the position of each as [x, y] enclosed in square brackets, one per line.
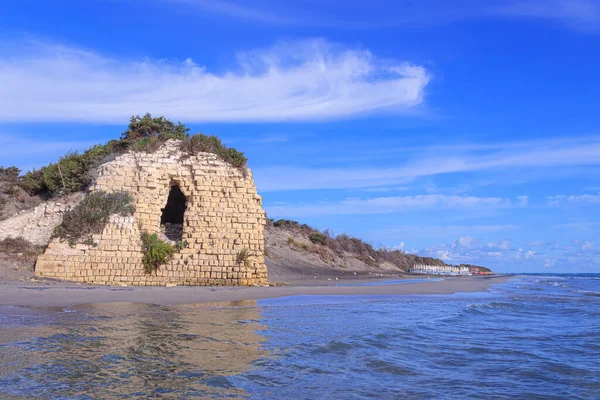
[147, 145]
[75, 172]
[199, 143]
[156, 252]
[146, 127]
[20, 246]
[91, 215]
[9, 174]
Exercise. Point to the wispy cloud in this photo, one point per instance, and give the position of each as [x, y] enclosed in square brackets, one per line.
[580, 226]
[583, 199]
[431, 231]
[380, 205]
[528, 154]
[580, 15]
[307, 80]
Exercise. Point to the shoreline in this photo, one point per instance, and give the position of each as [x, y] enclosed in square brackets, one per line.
[71, 295]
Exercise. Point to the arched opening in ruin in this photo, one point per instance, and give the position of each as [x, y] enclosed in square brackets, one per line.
[171, 220]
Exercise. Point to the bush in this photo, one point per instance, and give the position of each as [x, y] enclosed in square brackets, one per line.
[211, 144]
[292, 225]
[156, 252]
[72, 172]
[243, 258]
[9, 174]
[20, 246]
[33, 182]
[91, 215]
[147, 145]
[317, 238]
[146, 127]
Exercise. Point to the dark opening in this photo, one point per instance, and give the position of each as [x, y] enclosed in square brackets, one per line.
[172, 215]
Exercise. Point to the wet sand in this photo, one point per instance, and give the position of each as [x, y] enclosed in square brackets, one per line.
[64, 296]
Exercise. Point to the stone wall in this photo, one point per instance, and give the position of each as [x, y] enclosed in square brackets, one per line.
[224, 215]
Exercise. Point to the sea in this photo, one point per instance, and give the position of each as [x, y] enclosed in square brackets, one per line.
[532, 337]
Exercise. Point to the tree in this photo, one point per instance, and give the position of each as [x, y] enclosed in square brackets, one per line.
[9, 174]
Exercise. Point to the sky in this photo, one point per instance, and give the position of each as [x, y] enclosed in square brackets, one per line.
[464, 130]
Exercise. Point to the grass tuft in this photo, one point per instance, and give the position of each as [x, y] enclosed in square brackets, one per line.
[243, 258]
[20, 246]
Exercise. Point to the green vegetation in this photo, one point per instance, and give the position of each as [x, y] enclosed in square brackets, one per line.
[180, 245]
[156, 252]
[243, 257]
[91, 215]
[146, 127]
[20, 246]
[8, 179]
[12, 197]
[74, 172]
[289, 224]
[212, 144]
[9, 174]
[317, 238]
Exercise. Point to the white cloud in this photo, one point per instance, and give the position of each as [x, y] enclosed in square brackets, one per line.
[584, 257]
[501, 245]
[398, 246]
[466, 241]
[524, 254]
[584, 199]
[467, 249]
[588, 246]
[379, 205]
[292, 81]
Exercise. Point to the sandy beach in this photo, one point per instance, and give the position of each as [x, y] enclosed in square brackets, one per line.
[71, 294]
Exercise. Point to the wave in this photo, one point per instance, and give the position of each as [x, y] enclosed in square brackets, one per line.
[588, 293]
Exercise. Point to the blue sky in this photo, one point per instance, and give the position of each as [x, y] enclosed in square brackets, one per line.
[467, 132]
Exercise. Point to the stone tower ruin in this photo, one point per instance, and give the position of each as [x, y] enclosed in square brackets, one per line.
[198, 200]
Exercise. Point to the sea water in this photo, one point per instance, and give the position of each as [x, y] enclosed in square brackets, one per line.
[532, 337]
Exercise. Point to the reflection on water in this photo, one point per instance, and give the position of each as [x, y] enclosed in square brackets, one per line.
[121, 350]
[534, 338]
